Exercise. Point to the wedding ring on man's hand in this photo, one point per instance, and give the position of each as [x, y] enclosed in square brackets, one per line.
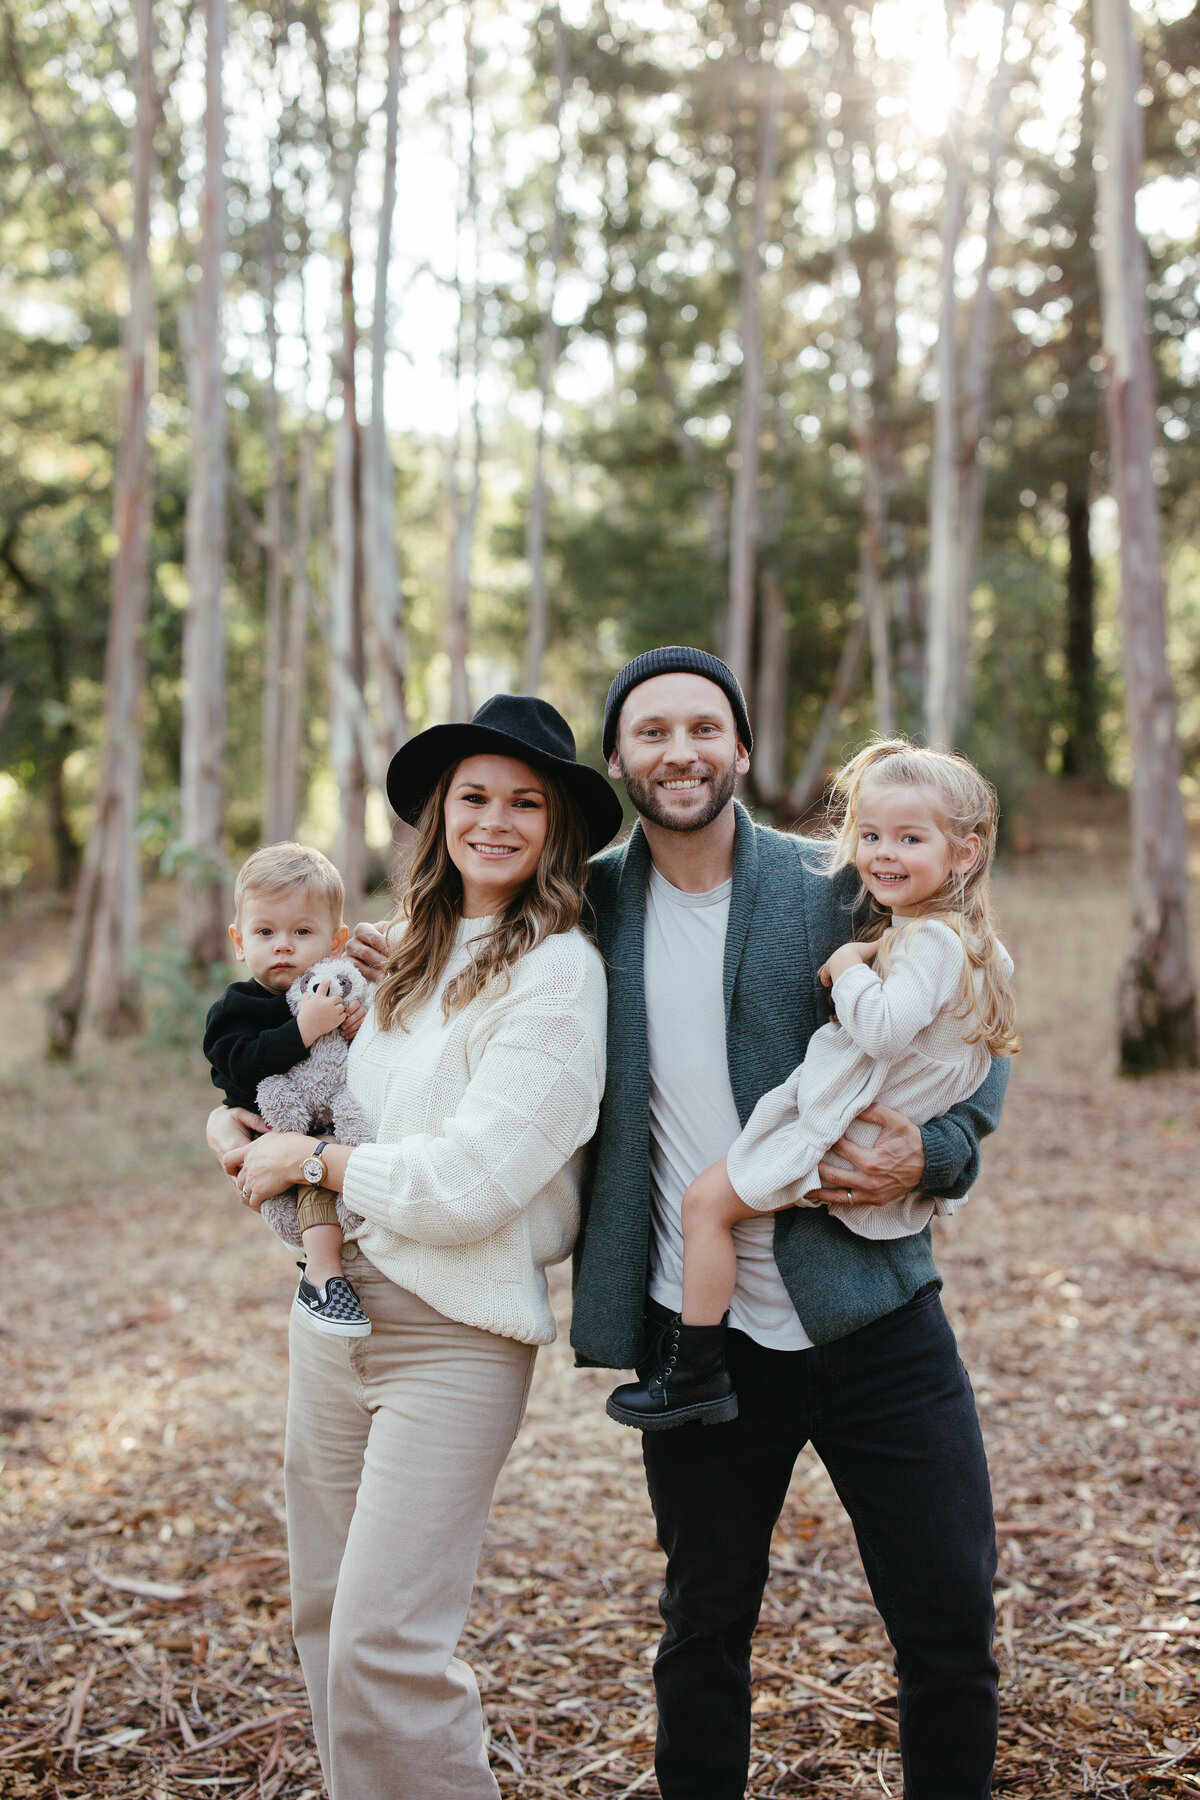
[849, 1198]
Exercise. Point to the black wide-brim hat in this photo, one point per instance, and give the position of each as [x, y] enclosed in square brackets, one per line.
[517, 725]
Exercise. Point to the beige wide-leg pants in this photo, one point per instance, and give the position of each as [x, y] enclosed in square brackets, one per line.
[394, 1443]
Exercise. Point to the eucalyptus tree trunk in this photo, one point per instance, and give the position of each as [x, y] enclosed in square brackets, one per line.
[379, 486]
[535, 526]
[345, 583]
[770, 690]
[279, 805]
[744, 504]
[1156, 997]
[941, 696]
[860, 379]
[976, 390]
[104, 918]
[300, 604]
[202, 870]
[1082, 754]
[466, 458]
[806, 789]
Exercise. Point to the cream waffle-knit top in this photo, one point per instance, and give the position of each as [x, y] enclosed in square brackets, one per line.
[902, 1040]
[471, 1188]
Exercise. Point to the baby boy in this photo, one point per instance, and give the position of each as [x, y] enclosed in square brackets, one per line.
[288, 903]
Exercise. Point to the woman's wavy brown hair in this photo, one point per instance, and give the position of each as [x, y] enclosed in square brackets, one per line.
[429, 906]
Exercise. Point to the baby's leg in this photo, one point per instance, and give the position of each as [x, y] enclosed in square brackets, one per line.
[320, 1233]
[711, 1209]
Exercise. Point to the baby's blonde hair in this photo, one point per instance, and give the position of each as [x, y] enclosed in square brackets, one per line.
[965, 806]
[281, 868]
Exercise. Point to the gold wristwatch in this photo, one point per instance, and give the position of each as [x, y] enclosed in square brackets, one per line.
[313, 1168]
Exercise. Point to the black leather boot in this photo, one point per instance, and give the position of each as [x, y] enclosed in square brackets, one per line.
[687, 1381]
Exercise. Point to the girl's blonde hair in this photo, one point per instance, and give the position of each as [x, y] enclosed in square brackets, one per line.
[965, 805]
[429, 903]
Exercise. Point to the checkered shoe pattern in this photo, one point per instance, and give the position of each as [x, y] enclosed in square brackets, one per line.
[340, 1313]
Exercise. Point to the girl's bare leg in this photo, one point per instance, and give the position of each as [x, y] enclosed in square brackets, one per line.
[323, 1251]
[711, 1209]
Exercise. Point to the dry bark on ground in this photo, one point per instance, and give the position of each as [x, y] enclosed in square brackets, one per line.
[143, 1615]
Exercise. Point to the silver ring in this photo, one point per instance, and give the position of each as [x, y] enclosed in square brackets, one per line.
[849, 1198]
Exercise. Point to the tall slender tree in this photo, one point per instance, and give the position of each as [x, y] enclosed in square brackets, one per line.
[346, 561]
[1157, 998]
[941, 698]
[279, 804]
[105, 914]
[466, 452]
[202, 776]
[744, 504]
[379, 484]
[538, 627]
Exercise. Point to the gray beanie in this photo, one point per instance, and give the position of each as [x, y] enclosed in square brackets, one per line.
[674, 659]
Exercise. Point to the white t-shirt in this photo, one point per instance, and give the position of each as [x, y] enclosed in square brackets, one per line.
[693, 1118]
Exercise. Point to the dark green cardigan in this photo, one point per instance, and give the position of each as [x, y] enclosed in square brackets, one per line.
[785, 919]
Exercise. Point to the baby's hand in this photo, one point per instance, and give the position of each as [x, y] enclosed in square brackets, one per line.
[844, 959]
[356, 1012]
[320, 1013]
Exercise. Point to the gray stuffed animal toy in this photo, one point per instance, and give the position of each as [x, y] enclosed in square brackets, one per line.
[313, 1095]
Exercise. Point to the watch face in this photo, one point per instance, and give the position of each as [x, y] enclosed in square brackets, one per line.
[313, 1170]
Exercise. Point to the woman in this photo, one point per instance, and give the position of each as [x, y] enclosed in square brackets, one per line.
[480, 1067]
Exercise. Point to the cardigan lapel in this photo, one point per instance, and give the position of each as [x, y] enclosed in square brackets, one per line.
[741, 899]
[627, 975]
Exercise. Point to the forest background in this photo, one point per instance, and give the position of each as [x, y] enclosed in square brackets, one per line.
[361, 361]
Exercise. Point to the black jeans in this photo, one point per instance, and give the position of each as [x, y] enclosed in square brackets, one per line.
[890, 1412]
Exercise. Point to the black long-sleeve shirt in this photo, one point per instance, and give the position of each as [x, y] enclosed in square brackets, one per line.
[250, 1033]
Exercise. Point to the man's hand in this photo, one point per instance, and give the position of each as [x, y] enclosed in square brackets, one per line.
[320, 1013]
[891, 1168]
[228, 1132]
[368, 951]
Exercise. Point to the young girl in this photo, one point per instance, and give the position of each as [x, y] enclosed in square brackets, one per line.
[923, 1002]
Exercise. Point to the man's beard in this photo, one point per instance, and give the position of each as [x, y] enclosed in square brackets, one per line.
[650, 805]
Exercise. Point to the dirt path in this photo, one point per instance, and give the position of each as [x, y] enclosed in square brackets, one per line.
[143, 1342]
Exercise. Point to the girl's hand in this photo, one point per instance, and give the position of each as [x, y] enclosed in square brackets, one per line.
[320, 1013]
[271, 1165]
[846, 958]
[356, 1012]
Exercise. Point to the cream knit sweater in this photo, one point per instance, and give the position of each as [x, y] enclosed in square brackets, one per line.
[471, 1187]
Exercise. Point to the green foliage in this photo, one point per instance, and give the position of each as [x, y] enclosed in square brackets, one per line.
[662, 129]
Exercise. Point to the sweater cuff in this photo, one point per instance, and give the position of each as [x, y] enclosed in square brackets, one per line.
[367, 1183]
[943, 1159]
[860, 975]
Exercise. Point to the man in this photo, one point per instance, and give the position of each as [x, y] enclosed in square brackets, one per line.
[713, 930]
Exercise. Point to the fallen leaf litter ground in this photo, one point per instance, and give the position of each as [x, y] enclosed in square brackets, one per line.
[143, 1615]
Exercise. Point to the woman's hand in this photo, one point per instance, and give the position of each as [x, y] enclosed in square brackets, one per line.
[271, 1165]
[846, 958]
